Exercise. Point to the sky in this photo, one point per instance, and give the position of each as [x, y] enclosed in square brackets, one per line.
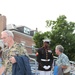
[34, 13]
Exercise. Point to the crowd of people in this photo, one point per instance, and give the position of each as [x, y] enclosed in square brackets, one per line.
[45, 60]
[14, 58]
[16, 61]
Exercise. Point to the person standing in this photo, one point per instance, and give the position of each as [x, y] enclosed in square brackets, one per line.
[16, 61]
[62, 60]
[44, 58]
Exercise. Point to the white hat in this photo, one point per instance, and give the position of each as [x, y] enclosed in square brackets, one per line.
[46, 40]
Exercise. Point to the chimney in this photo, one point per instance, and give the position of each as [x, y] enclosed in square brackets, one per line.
[36, 29]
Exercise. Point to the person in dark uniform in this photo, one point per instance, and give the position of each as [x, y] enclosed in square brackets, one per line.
[44, 58]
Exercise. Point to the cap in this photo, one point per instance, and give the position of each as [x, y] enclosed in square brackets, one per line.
[46, 40]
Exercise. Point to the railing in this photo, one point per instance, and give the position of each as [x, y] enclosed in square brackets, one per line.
[35, 66]
[35, 72]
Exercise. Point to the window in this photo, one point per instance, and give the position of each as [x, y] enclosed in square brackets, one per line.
[26, 30]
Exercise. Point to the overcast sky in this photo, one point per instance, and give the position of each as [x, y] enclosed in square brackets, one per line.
[34, 13]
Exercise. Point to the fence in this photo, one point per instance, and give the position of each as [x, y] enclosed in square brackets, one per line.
[34, 64]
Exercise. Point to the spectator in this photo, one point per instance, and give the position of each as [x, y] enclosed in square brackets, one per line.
[62, 60]
[15, 54]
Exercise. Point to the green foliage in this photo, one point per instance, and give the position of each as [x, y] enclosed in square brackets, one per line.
[62, 32]
[38, 38]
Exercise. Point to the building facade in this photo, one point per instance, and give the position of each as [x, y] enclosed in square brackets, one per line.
[2, 23]
[19, 36]
[23, 34]
[28, 40]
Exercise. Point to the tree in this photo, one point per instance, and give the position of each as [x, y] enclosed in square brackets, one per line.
[38, 38]
[63, 33]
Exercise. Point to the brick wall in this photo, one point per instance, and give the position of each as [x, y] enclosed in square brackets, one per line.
[2, 23]
[18, 37]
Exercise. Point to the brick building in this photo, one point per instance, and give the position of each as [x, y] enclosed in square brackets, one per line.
[23, 34]
[2, 23]
[18, 35]
[21, 37]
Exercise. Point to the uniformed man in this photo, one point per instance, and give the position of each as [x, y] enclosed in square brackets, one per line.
[15, 57]
[44, 58]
